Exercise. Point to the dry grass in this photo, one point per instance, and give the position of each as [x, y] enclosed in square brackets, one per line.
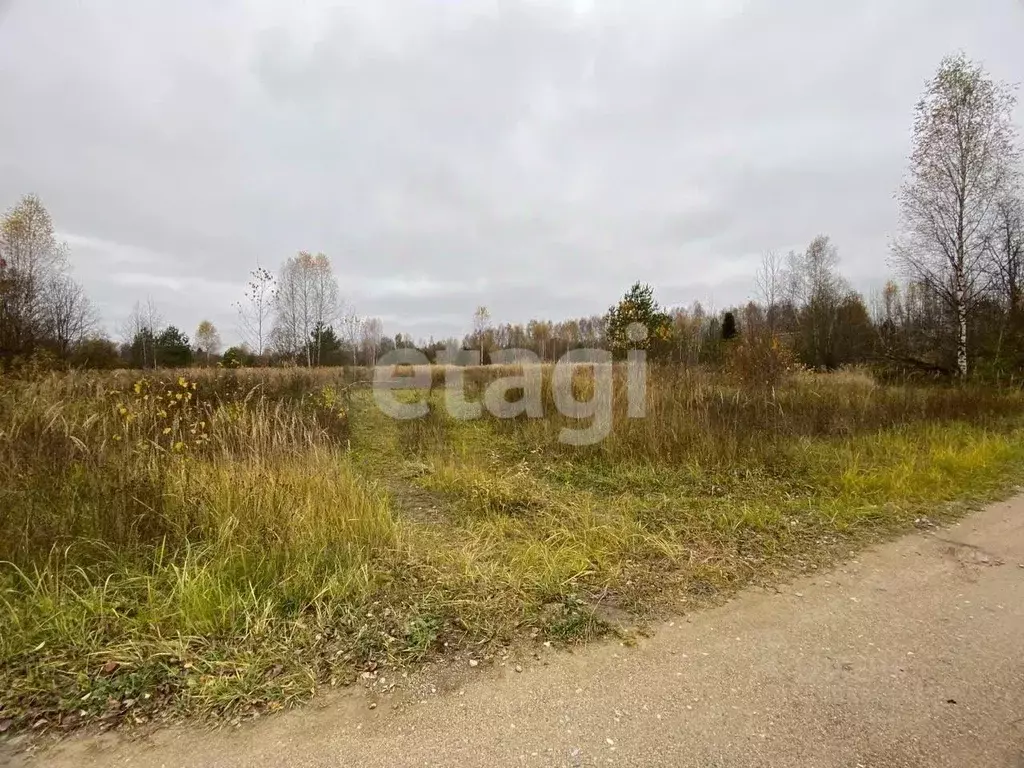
[270, 532]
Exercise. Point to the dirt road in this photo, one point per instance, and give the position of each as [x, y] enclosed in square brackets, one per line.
[912, 655]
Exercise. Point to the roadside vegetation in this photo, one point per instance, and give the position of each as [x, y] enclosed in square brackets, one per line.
[227, 542]
[190, 532]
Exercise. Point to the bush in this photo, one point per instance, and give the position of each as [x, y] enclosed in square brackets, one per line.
[760, 359]
[97, 353]
[237, 357]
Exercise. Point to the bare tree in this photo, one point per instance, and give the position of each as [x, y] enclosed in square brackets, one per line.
[964, 149]
[31, 262]
[256, 311]
[326, 299]
[1005, 257]
[539, 334]
[351, 327]
[139, 332]
[886, 313]
[372, 333]
[815, 288]
[291, 319]
[770, 286]
[481, 325]
[70, 316]
[306, 302]
[1006, 252]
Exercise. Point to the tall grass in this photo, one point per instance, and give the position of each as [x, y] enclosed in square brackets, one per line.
[149, 521]
[228, 541]
[693, 415]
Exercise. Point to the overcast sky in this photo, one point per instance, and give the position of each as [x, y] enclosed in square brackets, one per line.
[535, 156]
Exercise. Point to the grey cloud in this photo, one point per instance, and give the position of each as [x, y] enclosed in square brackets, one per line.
[533, 156]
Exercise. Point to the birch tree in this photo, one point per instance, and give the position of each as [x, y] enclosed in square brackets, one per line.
[815, 289]
[351, 332]
[372, 333]
[481, 326]
[326, 296]
[306, 301]
[33, 265]
[207, 340]
[964, 150]
[139, 333]
[769, 280]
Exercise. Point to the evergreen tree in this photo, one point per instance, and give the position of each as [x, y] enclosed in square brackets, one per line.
[638, 322]
[729, 330]
[173, 348]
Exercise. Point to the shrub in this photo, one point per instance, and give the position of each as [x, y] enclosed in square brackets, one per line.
[760, 359]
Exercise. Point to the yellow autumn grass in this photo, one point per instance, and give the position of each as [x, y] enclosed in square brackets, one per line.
[272, 532]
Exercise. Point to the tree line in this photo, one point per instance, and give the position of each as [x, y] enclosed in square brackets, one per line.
[955, 303]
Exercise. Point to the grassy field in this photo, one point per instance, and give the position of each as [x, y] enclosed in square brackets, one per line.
[227, 542]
